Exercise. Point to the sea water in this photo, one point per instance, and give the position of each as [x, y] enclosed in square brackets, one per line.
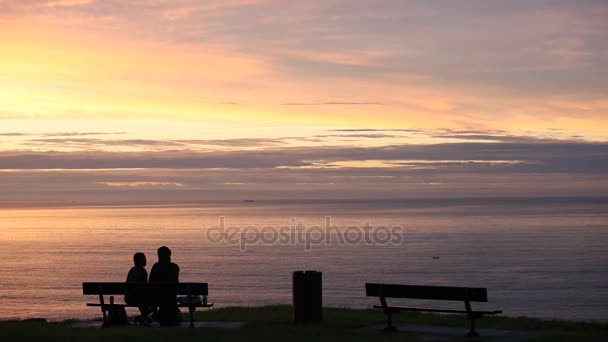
[543, 258]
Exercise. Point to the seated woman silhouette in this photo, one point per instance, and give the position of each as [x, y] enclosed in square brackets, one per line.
[164, 271]
[138, 274]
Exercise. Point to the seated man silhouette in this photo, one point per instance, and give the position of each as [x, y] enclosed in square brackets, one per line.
[138, 274]
[164, 271]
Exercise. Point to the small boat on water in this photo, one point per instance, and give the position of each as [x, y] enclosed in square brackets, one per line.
[248, 201]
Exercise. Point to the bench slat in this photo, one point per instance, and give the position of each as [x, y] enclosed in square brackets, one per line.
[404, 308]
[115, 288]
[473, 294]
[208, 305]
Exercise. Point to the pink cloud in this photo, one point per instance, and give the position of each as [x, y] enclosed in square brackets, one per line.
[141, 184]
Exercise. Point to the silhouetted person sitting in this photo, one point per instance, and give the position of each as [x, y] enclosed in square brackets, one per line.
[138, 274]
[164, 271]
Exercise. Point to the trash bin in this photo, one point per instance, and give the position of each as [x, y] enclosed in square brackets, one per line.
[307, 296]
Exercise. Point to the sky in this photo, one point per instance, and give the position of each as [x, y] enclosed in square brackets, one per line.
[162, 101]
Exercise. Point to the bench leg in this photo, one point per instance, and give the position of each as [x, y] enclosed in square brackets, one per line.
[105, 320]
[472, 332]
[191, 309]
[103, 312]
[389, 322]
[389, 315]
[471, 316]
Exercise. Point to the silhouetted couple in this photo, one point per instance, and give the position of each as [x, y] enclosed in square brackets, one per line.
[165, 309]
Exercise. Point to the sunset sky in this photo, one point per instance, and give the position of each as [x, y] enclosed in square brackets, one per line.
[164, 101]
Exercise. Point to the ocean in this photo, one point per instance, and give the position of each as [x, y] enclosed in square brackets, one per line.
[542, 257]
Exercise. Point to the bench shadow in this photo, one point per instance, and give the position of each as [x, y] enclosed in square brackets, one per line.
[97, 324]
[448, 333]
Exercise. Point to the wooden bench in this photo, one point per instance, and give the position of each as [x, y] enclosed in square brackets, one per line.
[149, 294]
[465, 294]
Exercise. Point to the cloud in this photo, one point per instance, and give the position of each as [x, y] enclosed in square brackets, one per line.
[494, 135]
[548, 69]
[329, 103]
[41, 4]
[58, 134]
[498, 138]
[407, 130]
[59, 187]
[66, 3]
[471, 131]
[91, 142]
[142, 184]
[369, 136]
[495, 157]
[74, 134]
[236, 142]
[150, 143]
[13, 134]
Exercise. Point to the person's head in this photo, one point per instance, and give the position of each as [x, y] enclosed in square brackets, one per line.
[139, 259]
[164, 254]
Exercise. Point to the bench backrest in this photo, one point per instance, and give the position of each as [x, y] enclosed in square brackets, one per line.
[472, 294]
[195, 289]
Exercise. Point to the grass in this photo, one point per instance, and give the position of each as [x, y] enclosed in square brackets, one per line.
[271, 323]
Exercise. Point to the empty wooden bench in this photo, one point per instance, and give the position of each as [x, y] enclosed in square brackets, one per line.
[464, 294]
[148, 294]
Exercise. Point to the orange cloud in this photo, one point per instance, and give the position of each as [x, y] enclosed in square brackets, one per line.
[49, 76]
[179, 62]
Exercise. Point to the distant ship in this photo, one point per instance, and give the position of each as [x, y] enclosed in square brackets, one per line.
[248, 201]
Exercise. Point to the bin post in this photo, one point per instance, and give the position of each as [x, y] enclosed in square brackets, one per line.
[307, 296]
